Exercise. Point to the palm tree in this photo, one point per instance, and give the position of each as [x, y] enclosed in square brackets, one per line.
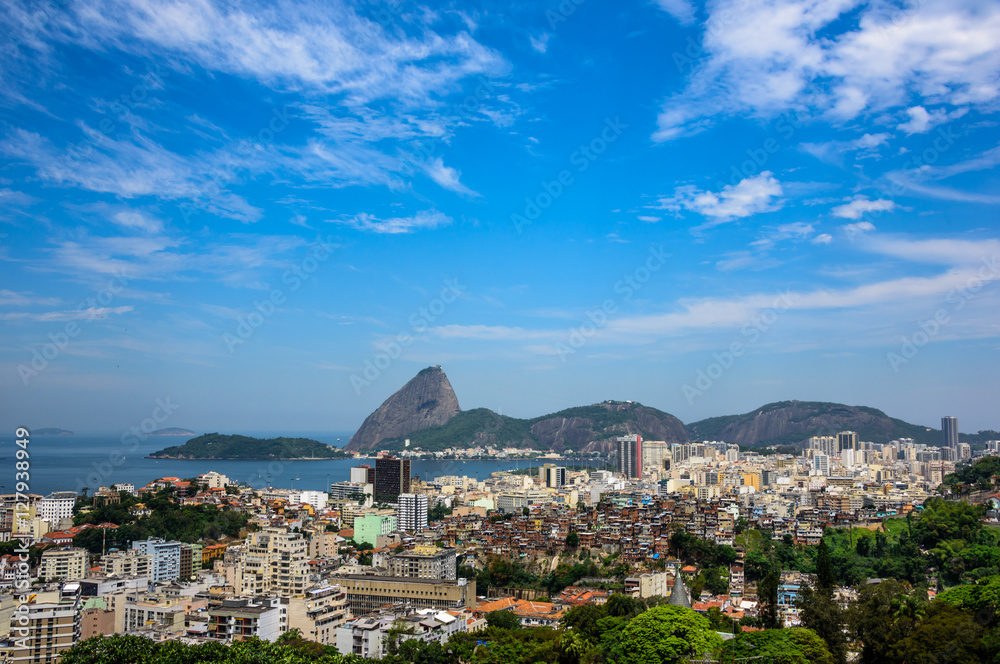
[909, 608]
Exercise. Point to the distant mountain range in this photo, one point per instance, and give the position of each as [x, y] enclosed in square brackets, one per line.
[426, 412]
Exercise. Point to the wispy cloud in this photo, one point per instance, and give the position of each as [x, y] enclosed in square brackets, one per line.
[682, 10]
[10, 298]
[425, 219]
[91, 313]
[325, 47]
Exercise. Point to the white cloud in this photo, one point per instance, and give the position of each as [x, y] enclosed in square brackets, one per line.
[833, 152]
[447, 177]
[750, 196]
[853, 230]
[422, 220]
[541, 42]
[860, 206]
[648, 219]
[324, 46]
[916, 179]
[941, 251]
[90, 313]
[682, 10]
[920, 120]
[493, 332]
[137, 166]
[767, 57]
[795, 231]
[10, 298]
[822, 238]
[134, 220]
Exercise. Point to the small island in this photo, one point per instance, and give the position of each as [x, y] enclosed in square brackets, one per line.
[52, 431]
[173, 431]
[216, 446]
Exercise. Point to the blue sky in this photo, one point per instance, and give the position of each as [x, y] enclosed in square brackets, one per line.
[274, 215]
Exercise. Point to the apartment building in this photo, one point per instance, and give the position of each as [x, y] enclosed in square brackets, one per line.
[424, 562]
[242, 618]
[164, 558]
[319, 613]
[49, 625]
[276, 562]
[65, 564]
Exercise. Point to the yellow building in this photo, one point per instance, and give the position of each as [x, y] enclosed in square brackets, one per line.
[752, 479]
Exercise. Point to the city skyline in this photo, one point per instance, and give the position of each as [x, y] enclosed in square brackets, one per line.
[274, 219]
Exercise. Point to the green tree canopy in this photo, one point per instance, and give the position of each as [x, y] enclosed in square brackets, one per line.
[503, 620]
[779, 646]
[665, 634]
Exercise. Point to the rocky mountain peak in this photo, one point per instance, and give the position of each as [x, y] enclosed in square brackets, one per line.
[426, 401]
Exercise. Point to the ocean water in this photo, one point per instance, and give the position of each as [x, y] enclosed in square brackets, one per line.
[70, 463]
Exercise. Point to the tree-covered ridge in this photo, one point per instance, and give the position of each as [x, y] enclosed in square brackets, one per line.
[977, 476]
[814, 418]
[222, 446]
[470, 427]
[482, 426]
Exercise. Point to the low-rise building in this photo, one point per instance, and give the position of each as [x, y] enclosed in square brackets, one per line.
[368, 593]
[239, 619]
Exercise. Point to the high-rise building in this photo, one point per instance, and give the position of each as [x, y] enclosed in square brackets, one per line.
[47, 625]
[821, 464]
[825, 444]
[412, 512]
[949, 432]
[363, 474]
[57, 506]
[847, 440]
[655, 453]
[552, 476]
[392, 477]
[164, 558]
[630, 456]
[274, 561]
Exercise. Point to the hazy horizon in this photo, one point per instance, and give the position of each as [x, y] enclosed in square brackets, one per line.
[273, 216]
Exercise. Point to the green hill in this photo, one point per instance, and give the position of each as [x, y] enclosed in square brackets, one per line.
[583, 428]
[221, 446]
[792, 422]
